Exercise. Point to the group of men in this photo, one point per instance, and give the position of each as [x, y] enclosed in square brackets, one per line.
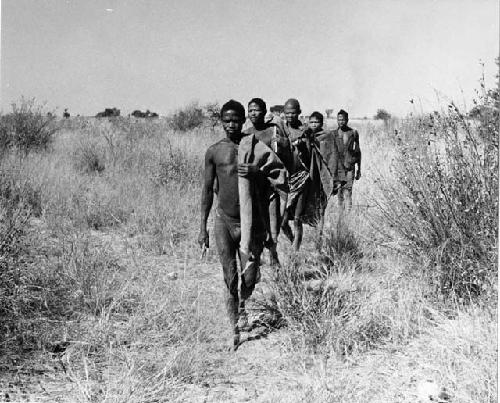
[291, 166]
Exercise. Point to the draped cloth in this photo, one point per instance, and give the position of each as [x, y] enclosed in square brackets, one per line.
[307, 199]
[254, 195]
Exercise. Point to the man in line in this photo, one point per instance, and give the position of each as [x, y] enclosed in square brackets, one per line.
[349, 162]
[306, 199]
[221, 164]
[272, 136]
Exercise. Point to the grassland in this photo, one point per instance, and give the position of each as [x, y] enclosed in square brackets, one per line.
[105, 296]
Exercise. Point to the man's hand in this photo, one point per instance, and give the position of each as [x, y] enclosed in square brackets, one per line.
[203, 240]
[247, 170]
[358, 174]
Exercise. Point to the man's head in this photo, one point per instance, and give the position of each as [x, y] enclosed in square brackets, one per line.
[232, 116]
[257, 111]
[316, 121]
[292, 111]
[342, 119]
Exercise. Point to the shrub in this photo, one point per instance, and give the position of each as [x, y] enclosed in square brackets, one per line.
[382, 114]
[187, 118]
[444, 205]
[26, 127]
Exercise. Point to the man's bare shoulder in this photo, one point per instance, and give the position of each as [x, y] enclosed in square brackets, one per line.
[221, 144]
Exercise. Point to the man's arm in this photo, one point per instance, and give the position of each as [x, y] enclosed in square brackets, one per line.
[207, 197]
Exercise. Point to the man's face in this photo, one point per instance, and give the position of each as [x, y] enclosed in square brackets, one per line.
[232, 123]
[292, 113]
[315, 124]
[342, 121]
[256, 114]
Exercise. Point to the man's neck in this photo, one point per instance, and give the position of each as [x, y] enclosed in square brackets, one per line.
[344, 128]
[235, 138]
[295, 125]
[259, 125]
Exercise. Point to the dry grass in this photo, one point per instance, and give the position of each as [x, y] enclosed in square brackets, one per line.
[112, 287]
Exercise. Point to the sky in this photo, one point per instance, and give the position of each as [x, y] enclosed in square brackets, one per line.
[359, 55]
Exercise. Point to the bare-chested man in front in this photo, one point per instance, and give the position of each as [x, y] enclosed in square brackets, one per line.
[272, 136]
[221, 163]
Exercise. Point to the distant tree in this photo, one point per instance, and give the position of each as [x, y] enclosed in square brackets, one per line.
[382, 114]
[108, 113]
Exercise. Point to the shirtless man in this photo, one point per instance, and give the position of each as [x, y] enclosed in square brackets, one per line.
[349, 162]
[221, 163]
[272, 136]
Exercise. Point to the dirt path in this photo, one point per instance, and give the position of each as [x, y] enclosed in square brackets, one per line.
[263, 369]
[259, 369]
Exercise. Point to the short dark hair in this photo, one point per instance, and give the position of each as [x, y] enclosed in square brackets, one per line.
[260, 102]
[293, 102]
[344, 113]
[233, 105]
[318, 116]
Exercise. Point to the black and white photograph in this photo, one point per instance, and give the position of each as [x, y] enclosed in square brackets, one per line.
[249, 201]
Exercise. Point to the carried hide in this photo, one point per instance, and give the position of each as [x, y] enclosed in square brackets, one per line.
[253, 194]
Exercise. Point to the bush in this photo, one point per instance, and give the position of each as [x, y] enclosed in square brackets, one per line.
[187, 118]
[382, 114]
[444, 205]
[26, 127]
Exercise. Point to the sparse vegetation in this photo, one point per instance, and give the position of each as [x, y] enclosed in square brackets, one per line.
[445, 202]
[26, 128]
[98, 269]
[187, 118]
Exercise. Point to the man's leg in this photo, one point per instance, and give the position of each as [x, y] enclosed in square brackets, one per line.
[227, 249]
[348, 199]
[299, 231]
[321, 225]
[275, 223]
[348, 190]
[341, 198]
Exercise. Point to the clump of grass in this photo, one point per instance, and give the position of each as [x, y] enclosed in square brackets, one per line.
[89, 157]
[332, 304]
[340, 244]
[26, 128]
